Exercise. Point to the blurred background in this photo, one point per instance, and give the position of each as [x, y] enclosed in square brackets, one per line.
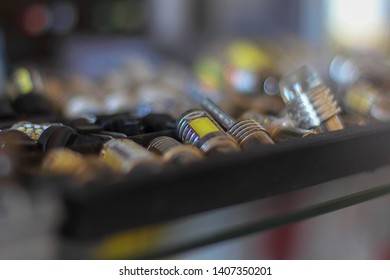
[120, 44]
[36, 29]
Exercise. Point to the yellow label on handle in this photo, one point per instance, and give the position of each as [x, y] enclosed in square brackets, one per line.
[203, 126]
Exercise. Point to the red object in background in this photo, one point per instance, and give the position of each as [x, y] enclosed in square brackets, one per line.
[281, 242]
[35, 19]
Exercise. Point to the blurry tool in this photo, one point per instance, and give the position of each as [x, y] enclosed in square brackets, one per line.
[209, 73]
[64, 17]
[158, 122]
[159, 97]
[247, 132]
[75, 95]
[27, 92]
[234, 106]
[11, 139]
[90, 131]
[362, 80]
[367, 101]
[17, 152]
[197, 128]
[85, 125]
[125, 156]
[34, 131]
[47, 135]
[309, 102]
[346, 69]
[249, 69]
[122, 122]
[240, 75]
[241, 66]
[56, 135]
[64, 162]
[196, 91]
[143, 83]
[173, 151]
[280, 129]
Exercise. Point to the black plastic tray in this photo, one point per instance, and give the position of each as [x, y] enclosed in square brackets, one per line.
[98, 210]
